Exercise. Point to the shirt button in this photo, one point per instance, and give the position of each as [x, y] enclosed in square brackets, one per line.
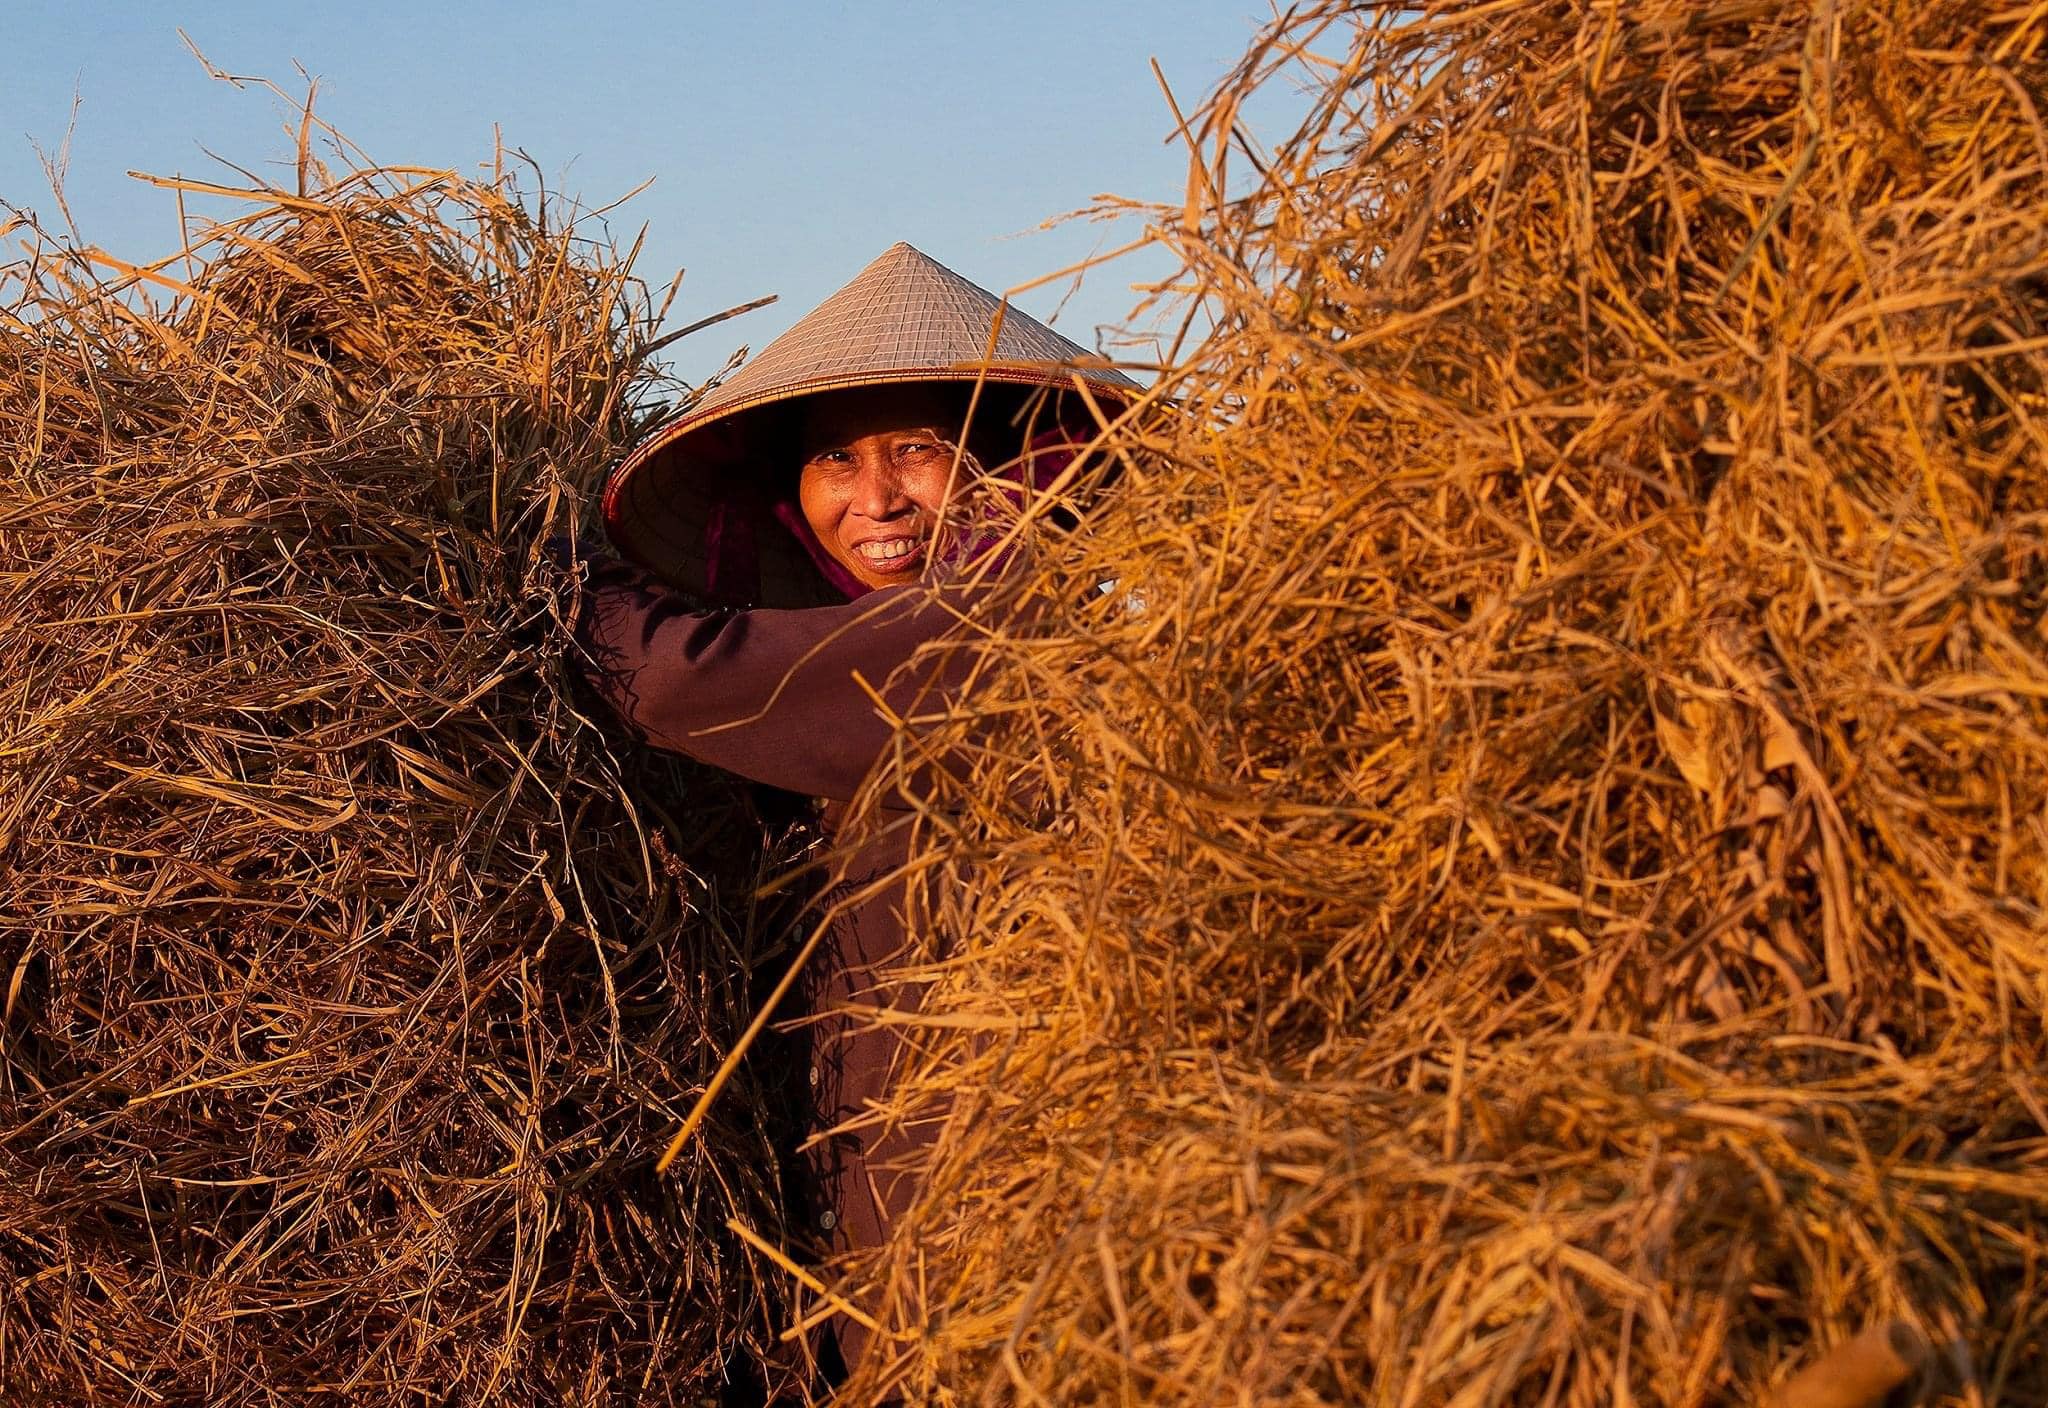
[828, 1219]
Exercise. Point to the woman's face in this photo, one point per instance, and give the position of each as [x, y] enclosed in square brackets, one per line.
[874, 478]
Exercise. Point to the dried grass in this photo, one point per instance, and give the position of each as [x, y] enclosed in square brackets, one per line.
[1530, 889]
[350, 981]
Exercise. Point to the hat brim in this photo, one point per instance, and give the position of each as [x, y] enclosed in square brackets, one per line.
[729, 464]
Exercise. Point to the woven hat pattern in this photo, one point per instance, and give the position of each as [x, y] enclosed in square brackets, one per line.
[905, 312]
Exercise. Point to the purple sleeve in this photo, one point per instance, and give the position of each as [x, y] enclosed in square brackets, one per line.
[772, 695]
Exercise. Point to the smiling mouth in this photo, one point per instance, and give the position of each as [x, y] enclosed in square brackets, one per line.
[890, 554]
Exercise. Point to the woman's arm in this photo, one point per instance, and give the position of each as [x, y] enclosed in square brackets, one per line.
[772, 695]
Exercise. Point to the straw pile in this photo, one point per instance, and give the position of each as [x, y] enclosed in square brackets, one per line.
[349, 981]
[1530, 887]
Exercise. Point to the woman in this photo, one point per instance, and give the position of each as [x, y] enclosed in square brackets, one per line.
[788, 528]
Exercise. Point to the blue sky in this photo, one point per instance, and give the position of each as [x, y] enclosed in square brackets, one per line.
[790, 140]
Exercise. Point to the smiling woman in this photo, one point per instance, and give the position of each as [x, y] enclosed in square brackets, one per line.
[875, 470]
[788, 563]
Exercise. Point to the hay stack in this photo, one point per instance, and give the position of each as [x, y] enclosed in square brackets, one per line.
[1532, 887]
[348, 978]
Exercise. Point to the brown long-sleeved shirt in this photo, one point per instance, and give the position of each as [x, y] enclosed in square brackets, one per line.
[777, 696]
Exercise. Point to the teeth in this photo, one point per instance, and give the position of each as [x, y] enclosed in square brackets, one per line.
[884, 553]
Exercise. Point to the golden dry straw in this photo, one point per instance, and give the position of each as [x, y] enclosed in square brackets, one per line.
[350, 979]
[1508, 866]
[1859, 1372]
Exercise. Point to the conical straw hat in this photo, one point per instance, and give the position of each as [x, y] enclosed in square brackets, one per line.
[904, 318]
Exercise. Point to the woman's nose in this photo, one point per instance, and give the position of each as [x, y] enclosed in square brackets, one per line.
[878, 489]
